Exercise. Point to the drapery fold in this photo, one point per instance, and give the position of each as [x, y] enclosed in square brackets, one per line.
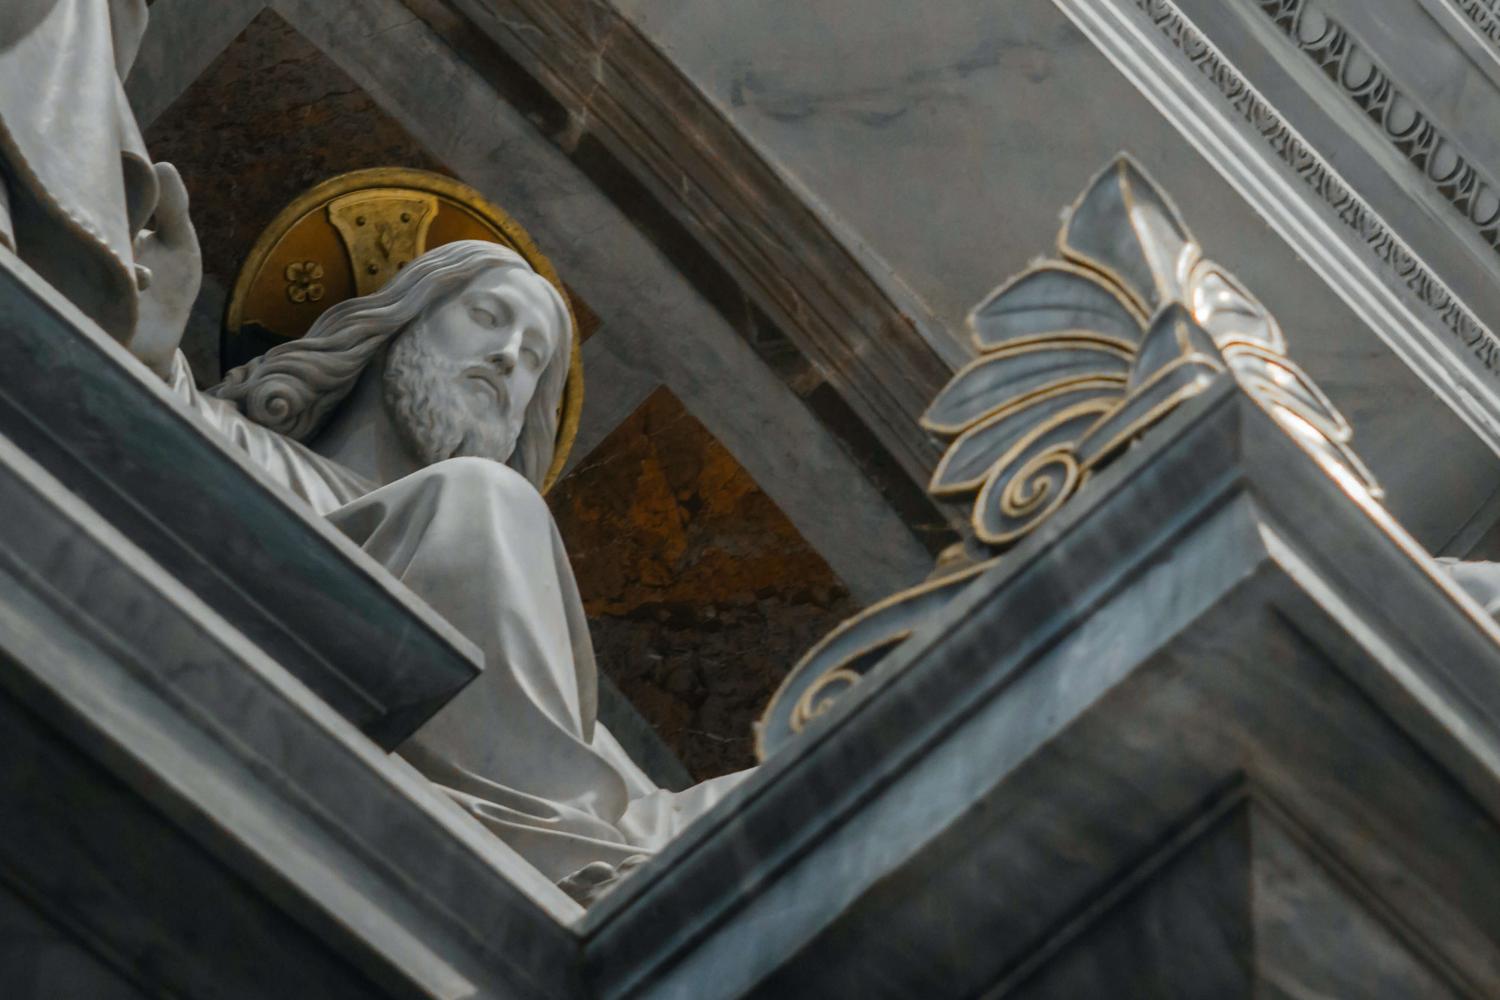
[520, 749]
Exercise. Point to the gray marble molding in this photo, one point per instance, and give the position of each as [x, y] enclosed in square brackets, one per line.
[177, 805]
[1346, 241]
[96, 419]
[188, 37]
[1212, 625]
[876, 344]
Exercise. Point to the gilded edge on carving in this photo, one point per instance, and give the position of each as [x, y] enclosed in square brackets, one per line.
[786, 695]
[1052, 390]
[1206, 326]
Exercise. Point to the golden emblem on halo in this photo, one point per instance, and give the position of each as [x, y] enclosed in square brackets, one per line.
[347, 237]
[383, 229]
[302, 284]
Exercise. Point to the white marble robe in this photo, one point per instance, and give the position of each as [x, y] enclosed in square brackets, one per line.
[78, 182]
[520, 748]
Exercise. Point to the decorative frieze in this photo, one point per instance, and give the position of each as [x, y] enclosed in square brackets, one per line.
[1350, 65]
[1483, 14]
[1407, 125]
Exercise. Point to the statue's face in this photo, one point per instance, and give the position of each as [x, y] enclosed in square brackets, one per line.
[497, 334]
[460, 379]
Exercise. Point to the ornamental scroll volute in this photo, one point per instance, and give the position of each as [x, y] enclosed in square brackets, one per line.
[1077, 357]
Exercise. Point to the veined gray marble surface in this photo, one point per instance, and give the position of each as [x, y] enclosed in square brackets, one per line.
[1219, 725]
[1213, 667]
[190, 35]
[40, 959]
[942, 146]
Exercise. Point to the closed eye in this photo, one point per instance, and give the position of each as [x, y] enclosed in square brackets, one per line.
[483, 317]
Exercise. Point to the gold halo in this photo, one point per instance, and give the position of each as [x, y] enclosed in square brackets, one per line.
[303, 263]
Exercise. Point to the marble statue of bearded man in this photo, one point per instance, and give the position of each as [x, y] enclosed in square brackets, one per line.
[420, 420]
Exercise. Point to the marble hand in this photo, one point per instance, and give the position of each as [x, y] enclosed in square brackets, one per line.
[169, 268]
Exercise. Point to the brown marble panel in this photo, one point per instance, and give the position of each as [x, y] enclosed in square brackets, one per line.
[700, 593]
[269, 118]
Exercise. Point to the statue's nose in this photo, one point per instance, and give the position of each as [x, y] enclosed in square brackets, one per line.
[504, 361]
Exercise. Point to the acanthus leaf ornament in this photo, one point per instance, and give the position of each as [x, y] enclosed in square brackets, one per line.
[1077, 357]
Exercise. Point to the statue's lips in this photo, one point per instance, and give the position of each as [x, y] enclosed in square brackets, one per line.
[492, 379]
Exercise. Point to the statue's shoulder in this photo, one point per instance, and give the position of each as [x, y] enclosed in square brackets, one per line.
[485, 477]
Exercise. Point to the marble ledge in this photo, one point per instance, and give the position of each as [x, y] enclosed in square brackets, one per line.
[75, 402]
[1213, 617]
[180, 808]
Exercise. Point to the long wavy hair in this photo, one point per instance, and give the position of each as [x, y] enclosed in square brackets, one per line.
[294, 387]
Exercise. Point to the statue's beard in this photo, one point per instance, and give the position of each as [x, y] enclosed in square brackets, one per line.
[441, 413]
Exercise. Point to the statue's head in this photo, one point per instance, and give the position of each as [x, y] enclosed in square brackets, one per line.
[474, 348]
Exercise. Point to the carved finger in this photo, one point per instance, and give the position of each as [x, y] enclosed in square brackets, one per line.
[173, 226]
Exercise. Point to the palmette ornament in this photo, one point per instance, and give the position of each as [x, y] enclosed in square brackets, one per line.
[1077, 357]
